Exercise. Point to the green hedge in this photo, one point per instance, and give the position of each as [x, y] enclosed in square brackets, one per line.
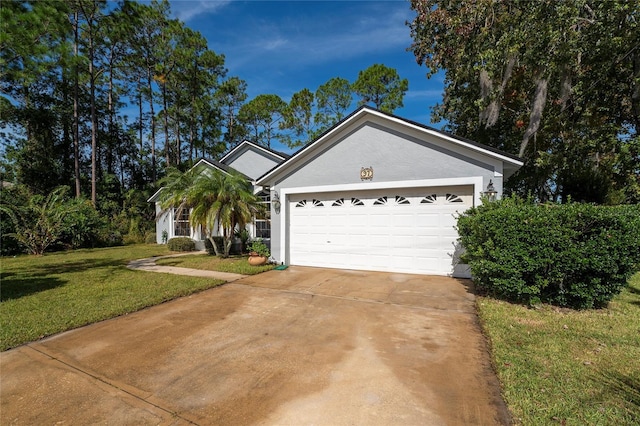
[181, 244]
[574, 255]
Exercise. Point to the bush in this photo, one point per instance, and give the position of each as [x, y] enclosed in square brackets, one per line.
[150, 237]
[181, 244]
[260, 248]
[83, 225]
[574, 255]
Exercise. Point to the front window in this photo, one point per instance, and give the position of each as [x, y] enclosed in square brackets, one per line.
[181, 227]
[263, 220]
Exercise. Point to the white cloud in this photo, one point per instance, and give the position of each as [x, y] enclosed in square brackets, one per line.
[436, 93]
[273, 44]
[320, 40]
[185, 10]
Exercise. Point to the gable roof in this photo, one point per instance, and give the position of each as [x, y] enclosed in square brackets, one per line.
[280, 156]
[363, 111]
[207, 162]
[217, 165]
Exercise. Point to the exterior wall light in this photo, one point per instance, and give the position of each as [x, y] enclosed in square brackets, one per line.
[491, 192]
[276, 202]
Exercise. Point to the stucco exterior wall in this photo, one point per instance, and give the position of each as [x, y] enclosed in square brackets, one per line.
[252, 163]
[394, 157]
[163, 223]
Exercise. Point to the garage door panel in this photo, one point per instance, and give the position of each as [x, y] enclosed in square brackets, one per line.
[411, 230]
[382, 241]
[401, 220]
[402, 241]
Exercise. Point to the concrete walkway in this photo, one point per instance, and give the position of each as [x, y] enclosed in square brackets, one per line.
[149, 264]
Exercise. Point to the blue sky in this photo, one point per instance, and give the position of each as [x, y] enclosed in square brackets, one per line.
[282, 47]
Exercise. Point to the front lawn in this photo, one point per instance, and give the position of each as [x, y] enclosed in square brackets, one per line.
[234, 264]
[559, 366]
[44, 295]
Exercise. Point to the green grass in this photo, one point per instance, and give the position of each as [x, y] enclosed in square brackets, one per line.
[559, 366]
[44, 295]
[235, 264]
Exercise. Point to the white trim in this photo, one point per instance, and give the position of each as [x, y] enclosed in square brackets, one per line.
[476, 181]
[246, 142]
[316, 145]
[151, 199]
[449, 138]
[209, 164]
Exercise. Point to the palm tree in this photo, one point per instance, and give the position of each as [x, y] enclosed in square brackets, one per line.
[219, 202]
[174, 190]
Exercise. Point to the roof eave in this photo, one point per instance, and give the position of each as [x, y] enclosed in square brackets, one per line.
[269, 151]
[363, 110]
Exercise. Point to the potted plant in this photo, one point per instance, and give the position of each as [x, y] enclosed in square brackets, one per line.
[258, 253]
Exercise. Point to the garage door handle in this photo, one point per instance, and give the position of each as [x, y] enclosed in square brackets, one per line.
[329, 241]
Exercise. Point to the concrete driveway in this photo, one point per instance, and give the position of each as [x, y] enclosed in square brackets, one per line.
[300, 346]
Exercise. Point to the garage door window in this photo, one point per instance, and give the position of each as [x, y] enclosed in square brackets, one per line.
[380, 201]
[453, 198]
[401, 200]
[429, 199]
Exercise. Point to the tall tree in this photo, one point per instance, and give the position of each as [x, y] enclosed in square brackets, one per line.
[557, 83]
[33, 41]
[261, 116]
[333, 99]
[193, 85]
[91, 13]
[152, 20]
[298, 119]
[382, 87]
[75, 23]
[230, 96]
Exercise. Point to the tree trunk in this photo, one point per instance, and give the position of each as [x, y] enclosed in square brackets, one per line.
[153, 124]
[76, 119]
[177, 131]
[141, 126]
[191, 137]
[94, 135]
[166, 125]
[215, 246]
[110, 160]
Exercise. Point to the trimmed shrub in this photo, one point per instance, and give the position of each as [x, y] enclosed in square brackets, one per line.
[181, 244]
[573, 255]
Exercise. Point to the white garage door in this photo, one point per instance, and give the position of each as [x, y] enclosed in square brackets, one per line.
[407, 230]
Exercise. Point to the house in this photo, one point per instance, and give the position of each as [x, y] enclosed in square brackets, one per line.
[374, 192]
[378, 192]
[247, 158]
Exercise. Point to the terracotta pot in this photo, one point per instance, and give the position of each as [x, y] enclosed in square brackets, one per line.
[257, 260]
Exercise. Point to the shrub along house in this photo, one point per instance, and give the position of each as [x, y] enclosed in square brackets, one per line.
[374, 192]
